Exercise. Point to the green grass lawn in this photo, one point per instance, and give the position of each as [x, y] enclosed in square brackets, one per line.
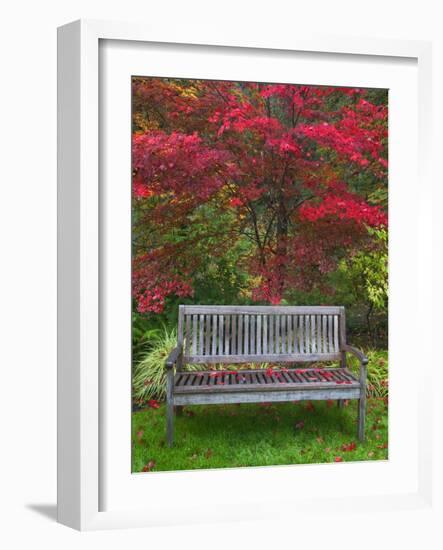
[229, 436]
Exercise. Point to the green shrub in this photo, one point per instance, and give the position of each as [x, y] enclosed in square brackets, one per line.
[377, 381]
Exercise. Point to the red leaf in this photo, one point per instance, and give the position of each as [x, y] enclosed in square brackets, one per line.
[153, 403]
[338, 459]
[349, 446]
[149, 466]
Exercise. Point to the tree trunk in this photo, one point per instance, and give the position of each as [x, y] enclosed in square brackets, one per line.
[282, 245]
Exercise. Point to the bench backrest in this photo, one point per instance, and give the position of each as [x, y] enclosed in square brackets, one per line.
[243, 334]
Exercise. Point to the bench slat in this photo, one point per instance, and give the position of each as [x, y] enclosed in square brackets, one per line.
[221, 322]
[335, 333]
[259, 335]
[274, 358]
[251, 310]
[227, 334]
[234, 334]
[252, 334]
[240, 335]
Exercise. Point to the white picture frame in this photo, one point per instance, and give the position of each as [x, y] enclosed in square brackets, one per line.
[81, 414]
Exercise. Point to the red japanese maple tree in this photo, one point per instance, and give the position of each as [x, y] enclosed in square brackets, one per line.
[288, 164]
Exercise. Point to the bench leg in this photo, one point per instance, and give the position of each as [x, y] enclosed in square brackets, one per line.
[340, 403]
[361, 418]
[179, 410]
[170, 408]
[170, 423]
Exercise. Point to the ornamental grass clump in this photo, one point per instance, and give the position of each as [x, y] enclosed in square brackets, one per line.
[149, 378]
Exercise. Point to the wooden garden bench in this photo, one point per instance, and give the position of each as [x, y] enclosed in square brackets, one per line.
[262, 334]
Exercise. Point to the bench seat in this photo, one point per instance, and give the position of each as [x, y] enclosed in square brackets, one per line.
[259, 380]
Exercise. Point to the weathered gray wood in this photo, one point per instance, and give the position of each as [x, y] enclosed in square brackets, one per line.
[342, 327]
[330, 331]
[265, 334]
[240, 347]
[335, 333]
[271, 334]
[325, 333]
[234, 320]
[276, 310]
[194, 334]
[181, 316]
[200, 339]
[307, 320]
[289, 337]
[170, 408]
[283, 333]
[360, 355]
[313, 335]
[295, 331]
[251, 358]
[362, 403]
[188, 335]
[258, 340]
[221, 326]
[227, 334]
[262, 334]
[307, 369]
[271, 384]
[319, 334]
[173, 356]
[301, 321]
[207, 334]
[252, 335]
[266, 397]
[214, 335]
[340, 402]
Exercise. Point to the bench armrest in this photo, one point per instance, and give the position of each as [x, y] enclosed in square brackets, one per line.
[359, 354]
[363, 366]
[173, 356]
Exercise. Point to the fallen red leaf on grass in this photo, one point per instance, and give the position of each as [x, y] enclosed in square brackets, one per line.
[139, 435]
[149, 466]
[310, 406]
[349, 446]
[338, 459]
[300, 425]
[153, 403]
[330, 403]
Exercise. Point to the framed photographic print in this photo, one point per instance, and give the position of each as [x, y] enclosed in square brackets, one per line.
[238, 241]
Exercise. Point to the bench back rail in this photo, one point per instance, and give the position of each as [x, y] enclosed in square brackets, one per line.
[243, 334]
